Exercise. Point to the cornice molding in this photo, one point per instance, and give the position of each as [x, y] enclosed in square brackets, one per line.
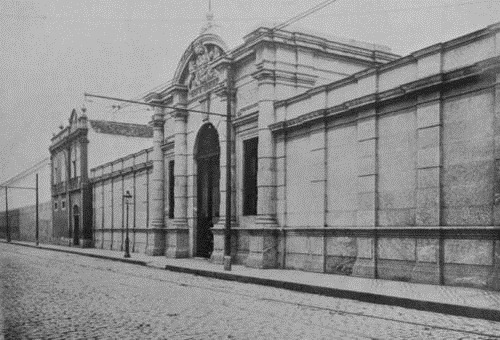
[122, 159]
[71, 137]
[122, 172]
[246, 119]
[243, 111]
[435, 82]
[167, 146]
[268, 75]
[303, 40]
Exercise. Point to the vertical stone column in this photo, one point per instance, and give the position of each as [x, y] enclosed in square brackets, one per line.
[366, 261]
[69, 203]
[156, 246]
[263, 238]
[428, 191]
[178, 232]
[495, 277]
[52, 192]
[316, 254]
[86, 195]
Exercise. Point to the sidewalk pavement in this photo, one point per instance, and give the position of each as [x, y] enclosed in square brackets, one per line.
[460, 301]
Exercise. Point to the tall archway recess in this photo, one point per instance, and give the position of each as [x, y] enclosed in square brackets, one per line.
[207, 155]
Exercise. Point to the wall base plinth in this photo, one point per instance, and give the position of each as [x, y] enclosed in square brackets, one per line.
[364, 268]
[263, 247]
[86, 243]
[219, 232]
[156, 247]
[494, 279]
[424, 272]
[177, 241]
[217, 257]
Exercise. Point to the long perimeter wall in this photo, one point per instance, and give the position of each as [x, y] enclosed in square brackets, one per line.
[22, 223]
[402, 183]
[110, 183]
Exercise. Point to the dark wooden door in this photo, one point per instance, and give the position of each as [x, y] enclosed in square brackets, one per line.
[76, 229]
[208, 203]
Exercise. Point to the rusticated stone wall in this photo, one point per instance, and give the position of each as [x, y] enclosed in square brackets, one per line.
[398, 177]
[395, 193]
[110, 183]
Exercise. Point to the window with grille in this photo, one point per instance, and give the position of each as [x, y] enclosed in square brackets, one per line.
[171, 186]
[250, 176]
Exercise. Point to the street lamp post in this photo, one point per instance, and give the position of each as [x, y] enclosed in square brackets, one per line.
[127, 198]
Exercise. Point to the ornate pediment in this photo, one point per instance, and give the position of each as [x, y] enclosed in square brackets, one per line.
[202, 77]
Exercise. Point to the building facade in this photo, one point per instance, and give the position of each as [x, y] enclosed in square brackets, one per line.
[346, 159]
[71, 155]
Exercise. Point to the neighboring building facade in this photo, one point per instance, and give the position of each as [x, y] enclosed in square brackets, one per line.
[18, 199]
[81, 144]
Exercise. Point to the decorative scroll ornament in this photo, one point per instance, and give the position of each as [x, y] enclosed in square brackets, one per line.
[202, 77]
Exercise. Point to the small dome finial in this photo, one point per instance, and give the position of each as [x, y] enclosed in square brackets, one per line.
[209, 24]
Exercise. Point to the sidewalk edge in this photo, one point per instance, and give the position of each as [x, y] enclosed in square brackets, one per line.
[429, 306]
[70, 251]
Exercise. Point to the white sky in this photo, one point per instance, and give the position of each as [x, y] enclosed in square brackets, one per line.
[52, 51]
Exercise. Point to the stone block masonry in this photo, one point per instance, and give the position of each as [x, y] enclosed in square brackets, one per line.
[422, 205]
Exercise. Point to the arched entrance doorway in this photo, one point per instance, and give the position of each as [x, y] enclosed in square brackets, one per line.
[76, 225]
[207, 155]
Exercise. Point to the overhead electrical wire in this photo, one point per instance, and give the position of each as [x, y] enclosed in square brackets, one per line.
[297, 18]
[278, 27]
[231, 19]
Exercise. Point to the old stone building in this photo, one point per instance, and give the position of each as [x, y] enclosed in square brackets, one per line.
[179, 207]
[346, 159]
[84, 143]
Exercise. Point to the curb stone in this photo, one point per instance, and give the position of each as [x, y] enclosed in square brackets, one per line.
[382, 299]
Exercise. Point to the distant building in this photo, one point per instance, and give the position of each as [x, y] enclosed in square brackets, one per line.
[18, 199]
[81, 144]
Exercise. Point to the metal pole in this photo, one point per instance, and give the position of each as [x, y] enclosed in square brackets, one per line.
[127, 249]
[7, 214]
[37, 230]
[227, 239]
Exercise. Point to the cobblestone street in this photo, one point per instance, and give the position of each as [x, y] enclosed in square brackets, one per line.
[52, 295]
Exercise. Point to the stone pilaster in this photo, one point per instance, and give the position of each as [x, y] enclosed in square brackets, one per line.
[428, 160]
[495, 277]
[263, 239]
[316, 255]
[496, 122]
[428, 191]
[86, 195]
[69, 203]
[178, 232]
[366, 261]
[156, 245]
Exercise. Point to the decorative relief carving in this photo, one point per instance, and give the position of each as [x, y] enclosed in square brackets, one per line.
[202, 77]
